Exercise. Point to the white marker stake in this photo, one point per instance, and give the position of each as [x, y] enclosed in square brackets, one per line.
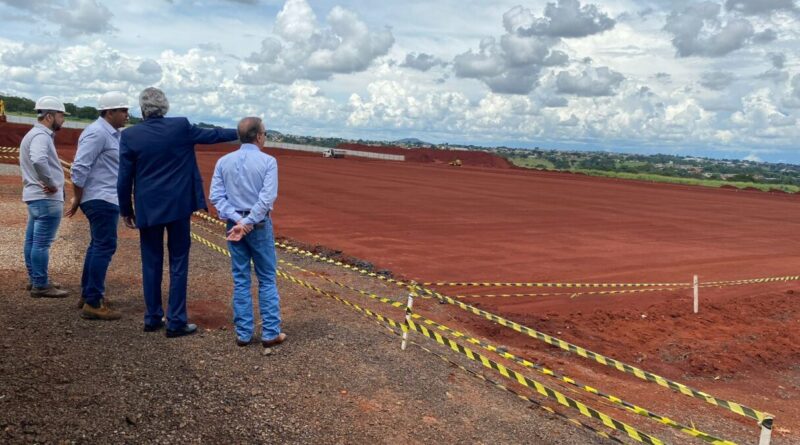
[766, 432]
[696, 296]
[409, 304]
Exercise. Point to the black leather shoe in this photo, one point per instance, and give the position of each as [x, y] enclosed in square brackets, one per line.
[153, 327]
[189, 329]
[242, 343]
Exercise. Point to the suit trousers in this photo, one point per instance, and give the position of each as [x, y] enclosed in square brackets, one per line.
[151, 241]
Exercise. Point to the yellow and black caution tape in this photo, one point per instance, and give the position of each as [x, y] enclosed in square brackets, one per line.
[761, 417]
[305, 284]
[752, 281]
[521, 361]
[567, 285]
[504, 371]
[505, 388]
[317, 257]
[573, 294]
[545, 391]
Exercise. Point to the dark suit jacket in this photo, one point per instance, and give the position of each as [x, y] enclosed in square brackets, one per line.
[158, 165]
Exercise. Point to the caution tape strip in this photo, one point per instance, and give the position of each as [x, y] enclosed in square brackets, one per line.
[305, 284]
[317, 257]
[567, 285]
[752, 281]
[504, 371]
[762, 418]
[587, 411]
[573, 294]
[505, 388]
[521, 361]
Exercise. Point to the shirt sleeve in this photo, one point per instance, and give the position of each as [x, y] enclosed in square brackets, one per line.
[90, 145]
[39, 152]
[219, 197]
[267, 195]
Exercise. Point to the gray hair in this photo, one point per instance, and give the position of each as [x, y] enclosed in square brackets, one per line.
[153, 103]
[249, 128]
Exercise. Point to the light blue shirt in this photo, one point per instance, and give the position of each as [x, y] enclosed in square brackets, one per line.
[39, 164]
[245, 180]
[96, 164]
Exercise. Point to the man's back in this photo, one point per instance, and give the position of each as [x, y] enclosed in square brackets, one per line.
[158, 156]
[246, 179]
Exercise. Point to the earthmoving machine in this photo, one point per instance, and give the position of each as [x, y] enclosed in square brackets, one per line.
[333, 153]
[456, 163]
[2, 111]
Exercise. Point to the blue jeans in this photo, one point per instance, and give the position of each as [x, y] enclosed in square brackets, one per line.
[44, 217]
[258, 246]
[103, 218]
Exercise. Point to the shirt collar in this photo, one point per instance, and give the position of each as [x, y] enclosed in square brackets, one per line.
[111, 130]
[42, 127]
[249, 147]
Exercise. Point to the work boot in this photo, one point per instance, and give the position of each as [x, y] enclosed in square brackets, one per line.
[81, 302]
[90, 312]
[48, 291]
[52, 283]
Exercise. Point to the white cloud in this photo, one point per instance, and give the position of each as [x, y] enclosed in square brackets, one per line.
[302, 49]
[760, 6]
[591, 82]
[421, 61]
[75, 17]
[567, 18]
[514, 64]
[717, 80]
[698, 30]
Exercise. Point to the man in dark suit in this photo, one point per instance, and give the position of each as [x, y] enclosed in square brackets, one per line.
[157, 164]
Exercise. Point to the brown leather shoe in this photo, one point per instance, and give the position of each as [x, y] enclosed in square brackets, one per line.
[49, 291]
[275, 341]
[90, 312]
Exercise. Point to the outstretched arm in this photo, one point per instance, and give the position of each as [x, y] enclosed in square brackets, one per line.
[201, 135]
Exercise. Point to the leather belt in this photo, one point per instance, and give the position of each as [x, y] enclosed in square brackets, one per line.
[259, 225]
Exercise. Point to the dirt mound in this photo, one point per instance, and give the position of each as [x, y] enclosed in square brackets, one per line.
[11, 135]
[431, 155]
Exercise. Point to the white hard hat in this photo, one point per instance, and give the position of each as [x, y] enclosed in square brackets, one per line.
[49, 103]
[113, 100]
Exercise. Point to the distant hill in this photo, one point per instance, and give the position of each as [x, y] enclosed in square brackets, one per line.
[411, 141]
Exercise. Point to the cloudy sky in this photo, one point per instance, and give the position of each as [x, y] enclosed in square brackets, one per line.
[716, 78]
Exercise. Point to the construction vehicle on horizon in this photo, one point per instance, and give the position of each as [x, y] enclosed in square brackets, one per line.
[333, 153]
[456, 163]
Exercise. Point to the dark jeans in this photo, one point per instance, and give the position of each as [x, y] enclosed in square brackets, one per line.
[151, 241]
[103, 218]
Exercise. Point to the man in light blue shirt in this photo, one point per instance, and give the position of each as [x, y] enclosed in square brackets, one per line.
[94, 184]
[243, 189]
[43, 192]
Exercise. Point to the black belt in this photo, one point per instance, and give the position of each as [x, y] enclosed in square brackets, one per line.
[259, 225]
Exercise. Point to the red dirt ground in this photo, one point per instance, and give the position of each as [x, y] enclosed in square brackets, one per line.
[433, 222]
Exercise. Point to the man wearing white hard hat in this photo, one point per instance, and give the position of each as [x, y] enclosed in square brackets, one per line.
[94, 183]
[43, 192]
